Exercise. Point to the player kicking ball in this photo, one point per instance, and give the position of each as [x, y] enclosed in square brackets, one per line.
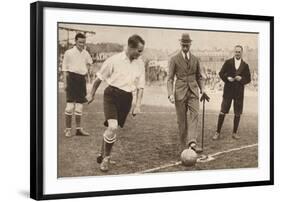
[124, 73]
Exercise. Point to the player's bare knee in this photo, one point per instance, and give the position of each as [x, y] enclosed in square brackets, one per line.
[112, 125]
[69, 108]
[78, 109]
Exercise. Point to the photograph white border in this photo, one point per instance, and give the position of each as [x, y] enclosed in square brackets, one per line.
[54, 185]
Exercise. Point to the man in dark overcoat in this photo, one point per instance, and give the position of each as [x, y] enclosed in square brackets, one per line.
[235, 74]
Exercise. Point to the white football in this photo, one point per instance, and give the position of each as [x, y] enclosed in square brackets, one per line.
[189, 157]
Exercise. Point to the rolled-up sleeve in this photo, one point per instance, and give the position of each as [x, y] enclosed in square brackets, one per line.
[106, 70]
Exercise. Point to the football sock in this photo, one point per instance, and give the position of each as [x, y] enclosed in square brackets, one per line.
[68, 120]
[236, 123]
[78, 121]
[107, 148]
[102, 148]
[220, 122]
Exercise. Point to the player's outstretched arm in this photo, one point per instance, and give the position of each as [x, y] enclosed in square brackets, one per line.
[136, 110]
[91, 94]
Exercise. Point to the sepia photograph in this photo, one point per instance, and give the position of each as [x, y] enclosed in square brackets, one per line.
[136, 100]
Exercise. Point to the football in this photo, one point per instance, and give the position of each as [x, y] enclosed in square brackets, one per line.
[188, 157]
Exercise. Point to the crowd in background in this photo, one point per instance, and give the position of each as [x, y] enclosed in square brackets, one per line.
[157, 75]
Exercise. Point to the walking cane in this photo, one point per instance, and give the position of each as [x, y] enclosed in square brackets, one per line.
[203, 126]
[203, 157]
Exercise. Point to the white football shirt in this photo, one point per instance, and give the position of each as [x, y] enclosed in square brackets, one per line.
[120, 72]
[76, 61]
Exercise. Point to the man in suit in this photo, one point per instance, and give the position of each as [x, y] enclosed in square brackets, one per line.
[235, 74]
[184, 94]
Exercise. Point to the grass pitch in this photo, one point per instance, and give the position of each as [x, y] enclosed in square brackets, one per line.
[150, 140]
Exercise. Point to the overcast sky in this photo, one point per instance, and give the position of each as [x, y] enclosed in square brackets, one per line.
[165, 39]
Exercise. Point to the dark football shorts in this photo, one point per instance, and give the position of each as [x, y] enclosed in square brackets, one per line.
[237, 105]
[117, 105]
[76, 90]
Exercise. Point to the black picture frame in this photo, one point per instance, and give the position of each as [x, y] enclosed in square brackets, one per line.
[37, 98]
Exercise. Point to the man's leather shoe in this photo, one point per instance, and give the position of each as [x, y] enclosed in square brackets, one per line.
[99, 159]
[216, 136]
[67, 132]
[104, 166]
[235, 136]
[81, 132]
[196, 148]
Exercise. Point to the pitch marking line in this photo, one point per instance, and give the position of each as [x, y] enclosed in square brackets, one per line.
[211, 156]
[209, 113]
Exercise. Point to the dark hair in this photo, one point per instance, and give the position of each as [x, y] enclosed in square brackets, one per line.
[239, 46]
[80, 35]
[134, 41]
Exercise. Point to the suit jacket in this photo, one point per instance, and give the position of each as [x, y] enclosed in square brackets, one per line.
[189, 75]
[234, 89]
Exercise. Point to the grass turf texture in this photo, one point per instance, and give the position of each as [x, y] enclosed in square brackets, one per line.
[150, 140]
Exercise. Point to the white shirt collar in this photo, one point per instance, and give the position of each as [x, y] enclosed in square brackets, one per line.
[237, 62]
[183, 54]
[75, 47]
[124, 55]
[237, 59]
